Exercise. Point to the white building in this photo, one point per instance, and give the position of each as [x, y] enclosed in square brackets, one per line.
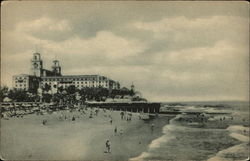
[40, 77]
[25, 82]
[80, 81]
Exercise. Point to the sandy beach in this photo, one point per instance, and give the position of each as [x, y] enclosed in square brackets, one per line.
[174, 137]
[82, 139]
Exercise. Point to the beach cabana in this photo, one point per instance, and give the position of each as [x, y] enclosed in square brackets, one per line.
[7, 99]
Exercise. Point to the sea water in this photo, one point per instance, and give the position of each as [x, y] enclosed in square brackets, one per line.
[180, 142]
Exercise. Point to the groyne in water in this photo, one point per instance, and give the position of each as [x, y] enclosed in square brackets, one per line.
[192, 112]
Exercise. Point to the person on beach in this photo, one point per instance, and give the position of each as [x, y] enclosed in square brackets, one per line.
[44, 122]
[111, 121]
[73, 118]
[115, 130]
[152, 127]
[121, 132]
[61, 117]
[108, 146]
[122, 115]
[90, 116]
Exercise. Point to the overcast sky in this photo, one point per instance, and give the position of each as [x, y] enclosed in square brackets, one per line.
[172, 51]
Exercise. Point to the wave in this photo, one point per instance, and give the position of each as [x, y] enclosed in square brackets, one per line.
[239, 132]
[167, 129]
[172, 130]
[239, 151]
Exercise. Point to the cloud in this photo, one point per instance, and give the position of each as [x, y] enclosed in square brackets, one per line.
[105, 44]
[176, 33]
[104, 49]
[168, 55]
[44, 23]
[184, 24]
[46, 28]
[222, 52]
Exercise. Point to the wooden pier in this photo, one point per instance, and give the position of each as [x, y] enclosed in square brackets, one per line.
[147, 107]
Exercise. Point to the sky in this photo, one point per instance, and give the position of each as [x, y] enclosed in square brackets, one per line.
[171, 51]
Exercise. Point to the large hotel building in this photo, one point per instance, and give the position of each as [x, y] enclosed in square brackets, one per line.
[39, 77]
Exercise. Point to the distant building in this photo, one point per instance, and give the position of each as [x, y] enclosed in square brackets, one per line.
[80, 81]
[40, 77]
[38, 70]
[25, 82]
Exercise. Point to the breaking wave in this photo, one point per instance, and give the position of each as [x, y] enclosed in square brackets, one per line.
[238, 151]
[159, 141]
[172, 131]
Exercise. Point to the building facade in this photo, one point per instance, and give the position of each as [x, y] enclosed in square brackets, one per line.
[80, 81]
[25, 82]
[38, 70]
[39, 77]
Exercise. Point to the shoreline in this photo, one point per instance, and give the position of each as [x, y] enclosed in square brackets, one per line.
[134, 141]
[185, 136]
[237, 151]
[178, 135]
[82, 139]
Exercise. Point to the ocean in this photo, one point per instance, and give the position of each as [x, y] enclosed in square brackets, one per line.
[221, 137]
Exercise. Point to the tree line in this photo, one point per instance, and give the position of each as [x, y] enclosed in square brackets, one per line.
[69, 94]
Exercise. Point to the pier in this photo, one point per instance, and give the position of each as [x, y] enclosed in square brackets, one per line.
[147, 107]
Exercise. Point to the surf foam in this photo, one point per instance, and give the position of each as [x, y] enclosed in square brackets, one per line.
[156, 143]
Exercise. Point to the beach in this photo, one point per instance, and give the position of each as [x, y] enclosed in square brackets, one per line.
[186, 136]
[82, 139]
